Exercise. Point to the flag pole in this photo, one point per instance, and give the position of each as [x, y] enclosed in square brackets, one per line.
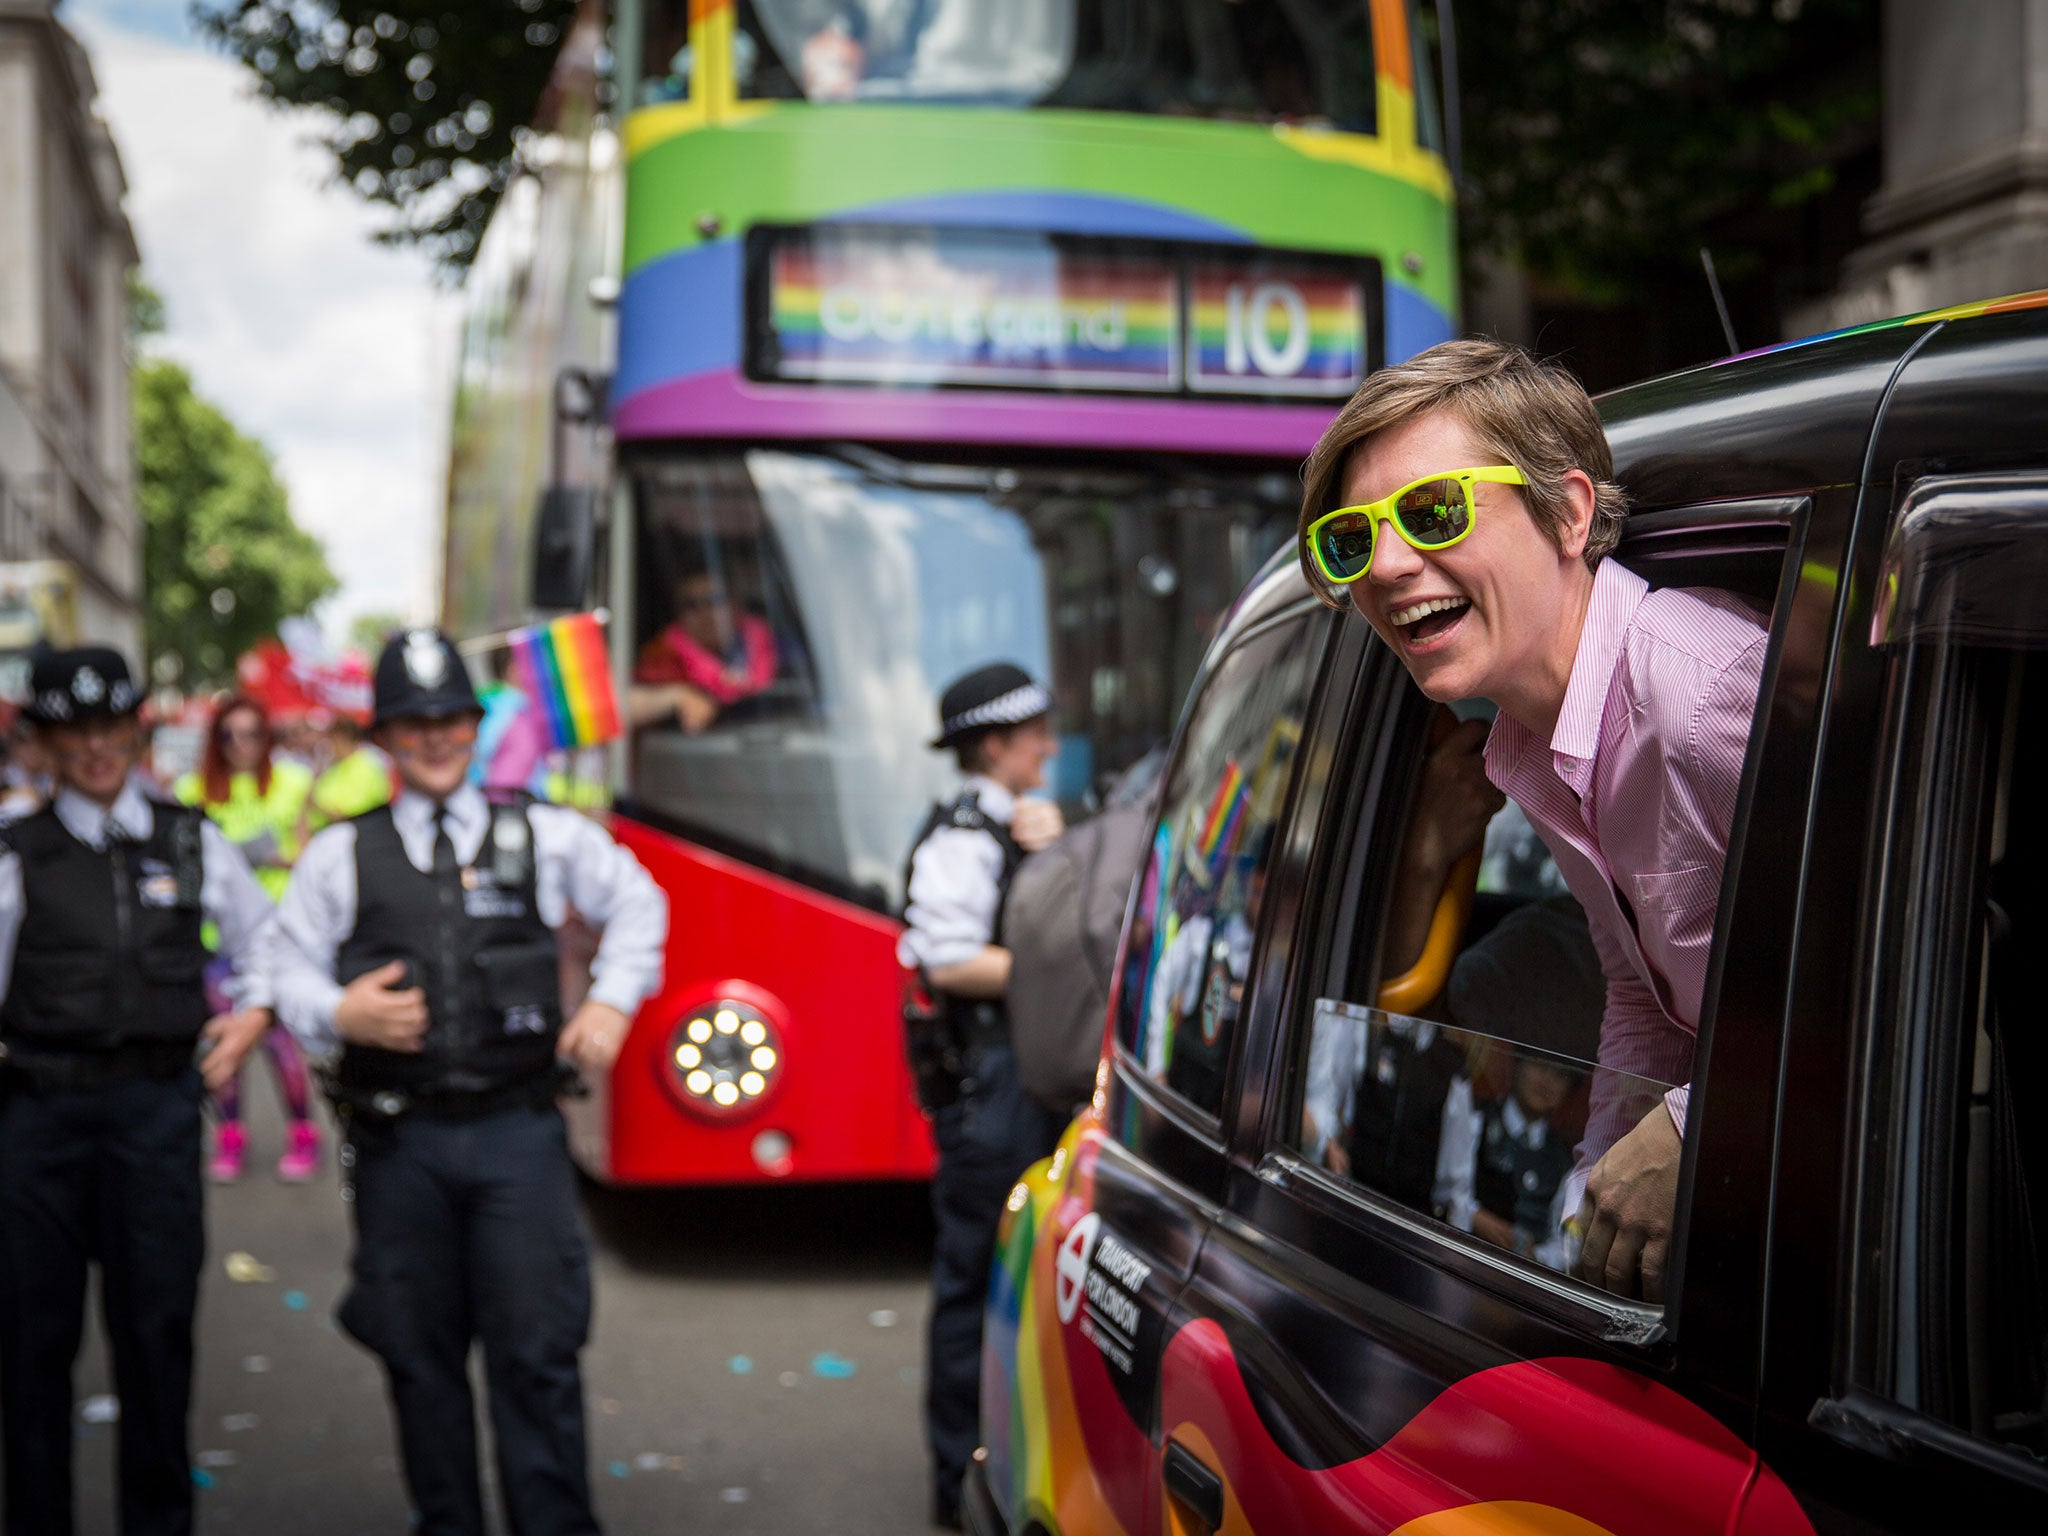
[498, 640]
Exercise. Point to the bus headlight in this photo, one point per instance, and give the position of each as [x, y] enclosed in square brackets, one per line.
[724, 1058]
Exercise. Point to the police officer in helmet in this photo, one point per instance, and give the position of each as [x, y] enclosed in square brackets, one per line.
[995, 721]
[103, 893]
[419, 959]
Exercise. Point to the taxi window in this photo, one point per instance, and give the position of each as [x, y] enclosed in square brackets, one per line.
[1467, 1090]
[1188, 950]
[1958, 1287]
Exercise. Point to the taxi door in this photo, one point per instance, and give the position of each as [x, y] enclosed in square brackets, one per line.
[1345, 1358]
[1142, 1175]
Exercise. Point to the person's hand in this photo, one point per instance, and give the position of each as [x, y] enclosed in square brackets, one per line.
[1337, 1158]
[1631, 1195]
[228, 1038]
[1456, 802]
[592, 1039]
[695, 709]
[375, 1010]
[1037, 824]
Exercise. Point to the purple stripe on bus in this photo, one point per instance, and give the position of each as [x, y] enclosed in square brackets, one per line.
[1039, 209]
[720, 404]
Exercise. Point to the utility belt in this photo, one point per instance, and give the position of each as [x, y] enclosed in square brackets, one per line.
[356, 1103]
[133, 1061]
[945, 1040]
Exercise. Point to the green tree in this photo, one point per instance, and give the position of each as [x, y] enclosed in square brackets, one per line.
[431, 97]
[223, 561]
[1606, 138]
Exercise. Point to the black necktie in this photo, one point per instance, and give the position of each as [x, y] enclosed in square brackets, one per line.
[444, 846]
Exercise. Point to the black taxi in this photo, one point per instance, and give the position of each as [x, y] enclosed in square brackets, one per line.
[1296, 1270]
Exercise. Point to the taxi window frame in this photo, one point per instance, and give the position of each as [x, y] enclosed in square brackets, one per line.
[1671, 543]
[1167, 1104]
[1920, 982]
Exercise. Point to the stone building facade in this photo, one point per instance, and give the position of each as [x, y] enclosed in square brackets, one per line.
[67, 472]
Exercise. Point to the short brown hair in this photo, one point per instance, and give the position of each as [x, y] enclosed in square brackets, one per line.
[1523, 411]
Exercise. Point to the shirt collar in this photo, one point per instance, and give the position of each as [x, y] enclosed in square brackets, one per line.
[996, 802]
[1617, 593]
[1575, 740]
[467, 809]
[1530, 1133]
[87, 821]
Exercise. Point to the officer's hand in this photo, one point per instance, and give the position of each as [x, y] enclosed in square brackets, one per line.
[229, 1037]
[1037, 824]
[592, 1039]
[1630, 1196]
[375, 1010]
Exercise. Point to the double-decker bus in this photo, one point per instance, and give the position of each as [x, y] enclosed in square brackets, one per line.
[861, 342]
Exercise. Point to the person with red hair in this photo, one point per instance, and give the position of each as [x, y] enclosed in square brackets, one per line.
[259, 798]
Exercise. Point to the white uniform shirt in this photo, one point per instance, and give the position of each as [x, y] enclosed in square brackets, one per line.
[229, 896]
[576, 864]
[956, 884]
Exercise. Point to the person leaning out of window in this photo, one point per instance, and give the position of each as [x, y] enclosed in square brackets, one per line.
[1462, 502]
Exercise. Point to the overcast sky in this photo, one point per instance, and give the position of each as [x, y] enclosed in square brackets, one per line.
[334, 351]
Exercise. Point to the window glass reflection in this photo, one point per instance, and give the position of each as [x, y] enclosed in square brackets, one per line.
[1188, 952]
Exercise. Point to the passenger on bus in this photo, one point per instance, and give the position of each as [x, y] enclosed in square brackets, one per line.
[710, 657]
[1624, 713]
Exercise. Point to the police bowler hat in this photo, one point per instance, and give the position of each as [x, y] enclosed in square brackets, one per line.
[89, 683]
[988, 699]
[420, 676]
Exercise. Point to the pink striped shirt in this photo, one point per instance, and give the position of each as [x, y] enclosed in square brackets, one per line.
[1635, 798]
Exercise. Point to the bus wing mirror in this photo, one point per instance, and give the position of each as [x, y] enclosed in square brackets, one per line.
[564, 541]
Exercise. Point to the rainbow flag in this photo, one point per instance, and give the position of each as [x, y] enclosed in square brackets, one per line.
[572, 676]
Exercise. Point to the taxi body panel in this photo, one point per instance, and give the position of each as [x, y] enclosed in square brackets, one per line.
[1304, 1355]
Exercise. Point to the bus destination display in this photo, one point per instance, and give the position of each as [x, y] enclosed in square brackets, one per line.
[1012, 309]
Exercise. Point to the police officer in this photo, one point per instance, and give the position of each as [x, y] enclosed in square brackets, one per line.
[988, 1131]
[102, 896]
[419, 957]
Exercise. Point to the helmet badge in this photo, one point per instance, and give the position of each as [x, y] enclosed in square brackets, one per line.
[425, 662]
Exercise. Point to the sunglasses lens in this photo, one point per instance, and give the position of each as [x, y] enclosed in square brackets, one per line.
[1344, 546]
[1435, 513]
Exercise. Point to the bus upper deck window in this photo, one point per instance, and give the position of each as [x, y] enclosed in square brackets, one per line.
[1307, 61]
[665, 59]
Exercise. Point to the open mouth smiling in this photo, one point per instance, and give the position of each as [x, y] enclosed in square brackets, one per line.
[1418, 622]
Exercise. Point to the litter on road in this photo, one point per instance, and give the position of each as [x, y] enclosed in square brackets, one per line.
[740, 1365]
[236, 1422]
[884, 1318]
[104, 1408]
[246, 1269]
[833, 1367]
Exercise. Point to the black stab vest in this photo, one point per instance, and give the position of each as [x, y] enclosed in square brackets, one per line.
[970, 1017]
[110, 951]
[1513, 1180]
[1398, 1116]
[475, 942]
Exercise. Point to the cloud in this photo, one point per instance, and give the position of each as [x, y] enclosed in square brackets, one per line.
[332, 350]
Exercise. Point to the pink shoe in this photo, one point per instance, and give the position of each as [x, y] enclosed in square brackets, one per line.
[301, 1158]
[228, 1148]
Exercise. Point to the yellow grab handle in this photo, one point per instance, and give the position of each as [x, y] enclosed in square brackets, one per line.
[1414, 987]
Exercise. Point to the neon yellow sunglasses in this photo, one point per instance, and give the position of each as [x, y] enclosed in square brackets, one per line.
[1434, 512]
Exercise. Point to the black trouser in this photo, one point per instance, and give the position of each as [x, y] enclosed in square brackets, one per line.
[466, 1230]
[108, 1175]
[986, 1141]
